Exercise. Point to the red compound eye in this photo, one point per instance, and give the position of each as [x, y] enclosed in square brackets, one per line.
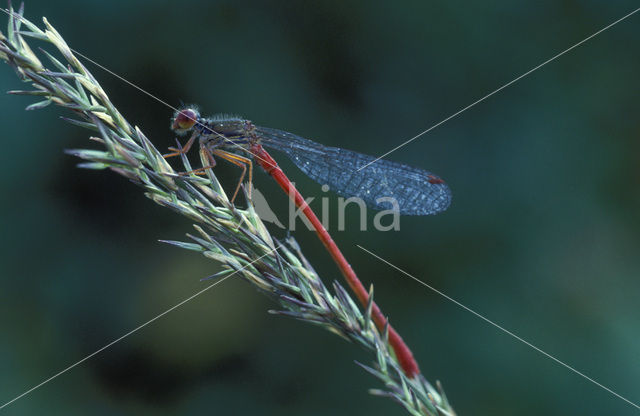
[185, 119]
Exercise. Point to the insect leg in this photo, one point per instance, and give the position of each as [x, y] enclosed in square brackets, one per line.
[176, 152]
[240, 161]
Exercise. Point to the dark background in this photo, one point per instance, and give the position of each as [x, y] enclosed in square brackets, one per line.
[542, 236]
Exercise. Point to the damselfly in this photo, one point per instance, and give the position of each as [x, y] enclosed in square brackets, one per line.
[381, 184]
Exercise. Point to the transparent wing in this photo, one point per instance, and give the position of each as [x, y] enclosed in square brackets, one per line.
[381, 185]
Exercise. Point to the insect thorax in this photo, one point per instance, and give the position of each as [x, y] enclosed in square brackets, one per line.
[226, 131]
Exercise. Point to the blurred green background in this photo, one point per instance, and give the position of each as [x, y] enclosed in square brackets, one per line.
[542, 236]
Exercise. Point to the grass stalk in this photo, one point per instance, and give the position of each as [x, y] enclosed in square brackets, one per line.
[235, 238]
